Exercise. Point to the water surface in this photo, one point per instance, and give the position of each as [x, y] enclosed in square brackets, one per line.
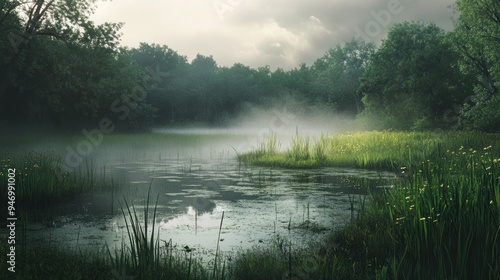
[195, 177]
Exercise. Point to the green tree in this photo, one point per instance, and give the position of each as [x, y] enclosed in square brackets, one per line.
[477, 37]
[57, 66]
[235, 86]
[338, 75]
[68, 86]
[203, 96]
[413, 80]
[66, 20]
[167, 93]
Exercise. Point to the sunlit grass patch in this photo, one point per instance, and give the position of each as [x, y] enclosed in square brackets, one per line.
[440, 221]
[384, 150]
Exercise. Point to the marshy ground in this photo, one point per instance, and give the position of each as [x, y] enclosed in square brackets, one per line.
[368, 205]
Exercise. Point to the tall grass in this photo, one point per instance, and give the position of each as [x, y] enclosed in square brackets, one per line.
[382, 150]
[144, 248]
[269, 145]
[300, 148]
[440, 221]
[446, 217]
[145, 258]
[38, 183]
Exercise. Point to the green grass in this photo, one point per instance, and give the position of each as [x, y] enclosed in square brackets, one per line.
[144, 257]
[50, 262]
[39, 185]
[383, 150]
[446, 217]
[440, 221]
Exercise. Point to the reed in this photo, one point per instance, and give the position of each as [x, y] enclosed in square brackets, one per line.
[446, 217]
[39, 185]
[381, 150]
[143, 257]
[440, 221]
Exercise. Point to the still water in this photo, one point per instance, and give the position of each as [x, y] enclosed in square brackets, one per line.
[195, 177]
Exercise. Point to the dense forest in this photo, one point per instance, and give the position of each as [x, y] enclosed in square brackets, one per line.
[58, 69]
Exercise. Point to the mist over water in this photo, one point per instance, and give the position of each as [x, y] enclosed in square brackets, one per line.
[194, 172]
[196, 176]
[288, 115]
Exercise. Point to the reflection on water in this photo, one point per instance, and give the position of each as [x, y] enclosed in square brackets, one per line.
[195, 181]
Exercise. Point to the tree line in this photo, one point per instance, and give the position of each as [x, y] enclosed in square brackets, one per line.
[59, 69]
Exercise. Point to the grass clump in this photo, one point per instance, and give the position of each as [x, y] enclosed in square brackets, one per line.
[446, 217]
[440, 221]
[40, 184]
[145, 257]
[300, 149]
[382, 150]
[144, 248]
[269, 145]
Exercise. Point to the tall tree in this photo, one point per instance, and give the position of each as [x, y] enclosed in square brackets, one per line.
[64, 20]
[166, 95]
[67, 20]
[413, 78]
[203, 97]
[477, 37]
[338, 75]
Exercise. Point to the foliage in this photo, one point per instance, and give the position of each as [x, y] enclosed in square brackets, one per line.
[338, 75]
[441, 220]
[483, 114]
[476, 37]
[62, 70]
[446, 216]
[413, 78]
[40, 182]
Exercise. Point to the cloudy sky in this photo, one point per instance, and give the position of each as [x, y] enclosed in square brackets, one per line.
[278, 33]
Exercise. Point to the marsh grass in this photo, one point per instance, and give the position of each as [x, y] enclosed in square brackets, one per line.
[50, 262]
[38, 185]
[440, 221]
[144, 256]
[446, 219]
[269, 144]
[300, 148]
[144, 248]
[381, 150]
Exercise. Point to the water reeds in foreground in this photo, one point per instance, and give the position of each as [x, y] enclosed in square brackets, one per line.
[145, 257]
[440, 221]
[446, 217]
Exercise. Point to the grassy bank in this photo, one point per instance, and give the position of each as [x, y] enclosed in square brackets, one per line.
[383, 150]
[441, 221]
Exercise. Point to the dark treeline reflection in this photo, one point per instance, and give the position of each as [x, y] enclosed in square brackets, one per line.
[60, 70]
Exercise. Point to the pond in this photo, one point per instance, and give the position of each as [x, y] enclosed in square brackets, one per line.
[195, 177]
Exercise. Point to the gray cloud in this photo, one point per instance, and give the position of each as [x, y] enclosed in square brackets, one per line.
[280, 33]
